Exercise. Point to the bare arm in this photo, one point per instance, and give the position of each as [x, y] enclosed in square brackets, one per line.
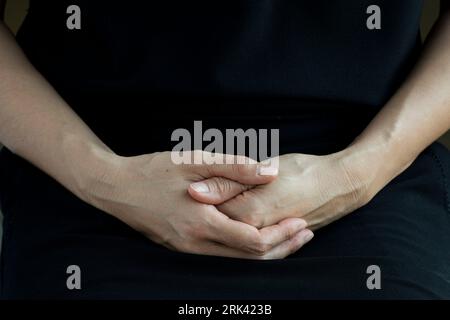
[325, 188]
[417, 115]
[147, 192]
[36, 123]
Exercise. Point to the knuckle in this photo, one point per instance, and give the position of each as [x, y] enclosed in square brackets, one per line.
[213, 184]
[289, 232]
[222, 185]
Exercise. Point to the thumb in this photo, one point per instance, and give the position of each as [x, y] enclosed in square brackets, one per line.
[241, 169]
[216, 190]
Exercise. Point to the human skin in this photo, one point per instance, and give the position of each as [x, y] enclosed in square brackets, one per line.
[36, 124]
[147, 192]
[322, 189]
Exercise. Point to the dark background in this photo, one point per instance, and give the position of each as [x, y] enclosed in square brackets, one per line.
[16, 10]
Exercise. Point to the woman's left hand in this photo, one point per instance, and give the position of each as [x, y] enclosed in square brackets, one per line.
[319, 189]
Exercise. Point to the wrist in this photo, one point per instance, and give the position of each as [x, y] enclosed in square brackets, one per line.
[375, 161]
[92, 169]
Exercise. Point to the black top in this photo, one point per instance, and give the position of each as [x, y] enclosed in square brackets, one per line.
[244, 57]
[309, 67]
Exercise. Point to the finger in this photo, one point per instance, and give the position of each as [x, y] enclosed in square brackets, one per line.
[284, 230]
[240, 169]
[216, 190]
[290, 246]
[245, 237]
[281, 251]
[251, 207]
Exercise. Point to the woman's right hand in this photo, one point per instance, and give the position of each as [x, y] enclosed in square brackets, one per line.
[149, 193]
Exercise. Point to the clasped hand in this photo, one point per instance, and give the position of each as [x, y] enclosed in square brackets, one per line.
[228, 210]
[317, 189]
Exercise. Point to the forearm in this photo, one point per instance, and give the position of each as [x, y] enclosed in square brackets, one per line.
[417, 115]
[36, 123]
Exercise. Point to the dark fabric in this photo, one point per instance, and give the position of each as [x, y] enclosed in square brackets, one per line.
[405, 230]
[268, 56]
[226, 47]
[136, 71]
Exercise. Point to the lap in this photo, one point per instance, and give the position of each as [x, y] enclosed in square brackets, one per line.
[405, 231]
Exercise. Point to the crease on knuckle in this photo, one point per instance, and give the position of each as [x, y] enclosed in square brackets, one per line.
[289, 232]
[221, 185]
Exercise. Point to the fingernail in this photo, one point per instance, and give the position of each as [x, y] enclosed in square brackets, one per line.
[200, 187]
[307, 237]
[267, 171]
